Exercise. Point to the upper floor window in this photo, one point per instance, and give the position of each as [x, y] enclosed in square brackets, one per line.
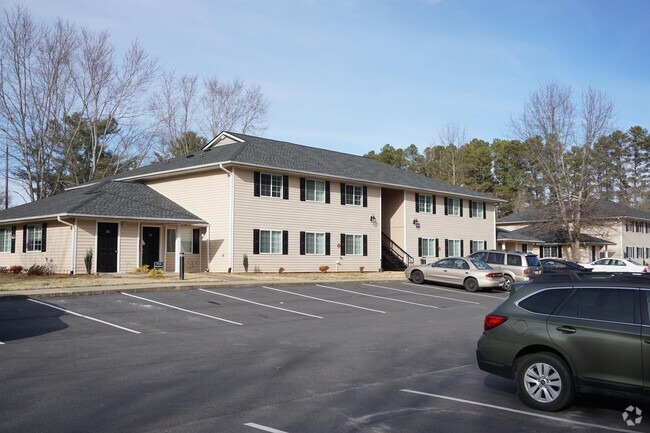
[270, 185]
[453, 206]
[477, 209]
[315, 190]
[425, 203]
[353, 195]
[629, 226]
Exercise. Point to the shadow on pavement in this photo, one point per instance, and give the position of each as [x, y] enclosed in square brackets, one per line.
[21, 318]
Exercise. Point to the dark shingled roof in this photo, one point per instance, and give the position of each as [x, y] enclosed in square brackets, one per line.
[280, 155]
[554, 237]
[603, 209]
[104, 199]
[520, 235]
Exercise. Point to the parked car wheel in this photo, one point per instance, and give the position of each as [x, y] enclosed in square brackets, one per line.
[417, 277]
[507, 284]
[544, 382]
[471, 285]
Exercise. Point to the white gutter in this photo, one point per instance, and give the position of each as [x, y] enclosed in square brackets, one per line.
[231, 235]
[73, 267]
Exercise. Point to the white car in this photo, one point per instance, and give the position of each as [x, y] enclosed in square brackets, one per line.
[617, 265]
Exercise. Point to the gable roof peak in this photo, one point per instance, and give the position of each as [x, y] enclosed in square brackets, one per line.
[223, 138]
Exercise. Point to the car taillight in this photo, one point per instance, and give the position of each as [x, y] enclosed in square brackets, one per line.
[493, 275]
[492, 321]
[645, 270]
[526, 271]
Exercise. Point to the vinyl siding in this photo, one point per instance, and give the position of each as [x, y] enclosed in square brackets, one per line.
[86, 231]
[207, 195]
[128, 246]
[440, 226]
[58, 249]
[295, 216]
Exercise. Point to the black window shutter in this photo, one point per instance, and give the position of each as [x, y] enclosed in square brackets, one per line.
[327, 244]
[433, 199]
[470, 208]
[24, 239]
[417, 203]
[559, 251]
[365, 244]
[13, 239]
[342, 244]
[446, 247]
[43, 237]
[256, 241]
[541, 252]
[462, 248]
[327, 191]
[484, 211]
[256, 180]
[302, 189]
[446, 212]
[285, 242]
[196, 241]
[485, 245]
[461, 207]
[437, 248]
[365, 196]
[419, 247]
[302, 243]
[343, 193]
[285, 187]
[471, 244]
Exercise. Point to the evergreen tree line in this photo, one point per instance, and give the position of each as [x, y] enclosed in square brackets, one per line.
[618, 168]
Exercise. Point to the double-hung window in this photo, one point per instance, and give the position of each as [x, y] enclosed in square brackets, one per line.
[453, 206]
[315, 243]
[425, 203]
[315, 190]
[271, 185]
[354, 245]
[5, 240]
[34, 241]
[428, 247]
[353, 195]
[477, 209]
[270, 241]
[477, 246]
[551, 251]
[454, 248]
[629, 252]
[171, 241]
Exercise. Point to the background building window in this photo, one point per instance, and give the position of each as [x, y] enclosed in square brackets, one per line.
[550, 251]
[34, 238]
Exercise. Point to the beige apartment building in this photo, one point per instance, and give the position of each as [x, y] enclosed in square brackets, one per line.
[286, 207]
[623, 232]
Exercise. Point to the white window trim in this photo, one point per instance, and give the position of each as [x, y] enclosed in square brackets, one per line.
[429, 242]
[6, 230]
[270, 195]
[478, 209]
[475, 245]
[354, 191]
[271, 231]
[424, 200]
[347, 244]
[451, 208]
[314, 190]
[315, 253]
[454, 253]
[27, 245]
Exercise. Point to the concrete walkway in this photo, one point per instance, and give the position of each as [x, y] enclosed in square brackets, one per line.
[180, 285]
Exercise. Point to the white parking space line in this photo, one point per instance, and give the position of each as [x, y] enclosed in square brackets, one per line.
[261, 305]
[324, 300]
[84, 316]
[456, 291]
[263, 428]
[521, 412]
[378, 297]
[423, 294]
[183, 309]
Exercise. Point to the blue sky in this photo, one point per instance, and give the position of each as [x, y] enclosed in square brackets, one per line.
[354, 75]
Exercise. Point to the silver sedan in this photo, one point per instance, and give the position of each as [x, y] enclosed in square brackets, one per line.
[472, 274]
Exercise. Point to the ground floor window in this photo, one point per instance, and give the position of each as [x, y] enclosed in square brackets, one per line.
[454, 247]
[315, 243]
[551, 251]
[629, 252]
[639, 253]
[5, 240]
[171, 240]
[34, 240]
[477, 246]
[428, 247]
[270, 241]
[354, 245]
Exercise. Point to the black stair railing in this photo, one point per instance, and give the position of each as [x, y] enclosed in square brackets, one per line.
[397, 251]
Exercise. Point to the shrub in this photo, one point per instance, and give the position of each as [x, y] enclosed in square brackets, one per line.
[3, 269]
[37, 270]
[144, 269]
[16, 269]
[245, 262]
[361, 268]
[155, 273]
[88, 261]
[324, 268]
[281, 270]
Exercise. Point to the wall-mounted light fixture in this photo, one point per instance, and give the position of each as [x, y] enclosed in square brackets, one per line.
[373, 219]
[416, 222]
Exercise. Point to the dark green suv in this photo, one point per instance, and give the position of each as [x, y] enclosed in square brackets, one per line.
[563, 334]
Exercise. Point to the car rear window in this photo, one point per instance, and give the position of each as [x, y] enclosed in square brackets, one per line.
[612, 305]
[544, 302]
[532, 260]
[514, 260]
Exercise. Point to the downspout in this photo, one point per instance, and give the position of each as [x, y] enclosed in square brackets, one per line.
[73, 267]
[231, 246]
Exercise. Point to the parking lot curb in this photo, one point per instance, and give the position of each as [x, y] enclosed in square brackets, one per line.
[136, 288]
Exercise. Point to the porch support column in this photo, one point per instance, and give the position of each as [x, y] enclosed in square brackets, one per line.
[177, 254]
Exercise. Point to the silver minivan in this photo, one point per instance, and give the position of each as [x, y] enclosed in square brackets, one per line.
[517, 266]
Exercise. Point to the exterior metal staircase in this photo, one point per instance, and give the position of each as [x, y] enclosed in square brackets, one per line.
[393, 257]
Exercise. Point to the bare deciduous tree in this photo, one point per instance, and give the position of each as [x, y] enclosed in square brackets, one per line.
[233, 107]
[561, 134]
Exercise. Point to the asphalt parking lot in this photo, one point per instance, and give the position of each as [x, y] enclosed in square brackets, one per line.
[346, 357]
